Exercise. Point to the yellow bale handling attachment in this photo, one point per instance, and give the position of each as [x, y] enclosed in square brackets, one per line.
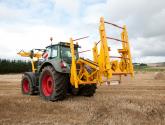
[85, 71]
[34, 57]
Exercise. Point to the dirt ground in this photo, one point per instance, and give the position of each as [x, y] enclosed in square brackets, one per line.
[134, 102]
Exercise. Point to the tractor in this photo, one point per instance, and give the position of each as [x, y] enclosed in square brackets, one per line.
[58, 69]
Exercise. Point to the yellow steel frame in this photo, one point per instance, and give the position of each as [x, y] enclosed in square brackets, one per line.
[123, 67]
[102, 65]
[34, 57]
[81, 75]
[103, 57]
[126, 56]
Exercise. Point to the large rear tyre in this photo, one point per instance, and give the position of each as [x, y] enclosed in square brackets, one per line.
[26, 85]
[52, 84]
[83, 90]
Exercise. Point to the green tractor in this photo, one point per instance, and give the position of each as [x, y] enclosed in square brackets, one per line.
[50, 76]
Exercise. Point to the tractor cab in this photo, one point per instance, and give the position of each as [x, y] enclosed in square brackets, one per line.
[62, 51]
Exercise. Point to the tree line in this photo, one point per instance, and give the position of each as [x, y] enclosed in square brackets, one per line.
[14, 66]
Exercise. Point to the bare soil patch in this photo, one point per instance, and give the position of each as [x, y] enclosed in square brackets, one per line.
[140, 101]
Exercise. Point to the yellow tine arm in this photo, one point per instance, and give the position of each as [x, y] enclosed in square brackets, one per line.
[73, 78]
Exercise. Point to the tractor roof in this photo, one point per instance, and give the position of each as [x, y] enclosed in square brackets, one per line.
[64, 44]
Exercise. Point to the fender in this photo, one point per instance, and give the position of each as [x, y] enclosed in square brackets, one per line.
[56, 64]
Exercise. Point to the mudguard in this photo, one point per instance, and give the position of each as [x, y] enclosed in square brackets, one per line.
[56, 64]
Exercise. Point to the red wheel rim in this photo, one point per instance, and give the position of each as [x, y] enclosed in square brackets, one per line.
[47, 85]
[26, 86]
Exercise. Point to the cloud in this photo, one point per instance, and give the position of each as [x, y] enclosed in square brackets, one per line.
[29, 24]
[6, 14]
[68, 6]
[31, 37]
[153, 46]
[144, 20]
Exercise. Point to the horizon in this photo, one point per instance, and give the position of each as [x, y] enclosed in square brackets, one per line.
[28, 59]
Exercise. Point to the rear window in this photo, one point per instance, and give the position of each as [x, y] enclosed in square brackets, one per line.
[66, 53]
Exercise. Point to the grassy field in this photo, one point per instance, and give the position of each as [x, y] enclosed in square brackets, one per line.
[140, 101]
[149, 69]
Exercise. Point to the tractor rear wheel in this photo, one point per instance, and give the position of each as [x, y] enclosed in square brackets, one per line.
[26, 85]
[83, 90]
[87, 90]
[52, 84]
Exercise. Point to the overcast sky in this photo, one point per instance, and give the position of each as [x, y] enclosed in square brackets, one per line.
[28, 24]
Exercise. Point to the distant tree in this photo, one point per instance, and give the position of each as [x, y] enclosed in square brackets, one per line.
[14, 66]
[143, 64]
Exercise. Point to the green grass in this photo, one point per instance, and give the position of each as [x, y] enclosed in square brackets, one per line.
[149, 69]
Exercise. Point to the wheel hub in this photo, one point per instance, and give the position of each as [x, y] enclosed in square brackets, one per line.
[47, 85]
[26, 86]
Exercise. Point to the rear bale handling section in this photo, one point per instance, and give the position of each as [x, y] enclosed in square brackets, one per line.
[102, 64]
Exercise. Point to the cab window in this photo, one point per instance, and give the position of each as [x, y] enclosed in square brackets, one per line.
[66, 53]
[52, 51]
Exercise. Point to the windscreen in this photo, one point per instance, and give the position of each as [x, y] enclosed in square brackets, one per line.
[66, 54]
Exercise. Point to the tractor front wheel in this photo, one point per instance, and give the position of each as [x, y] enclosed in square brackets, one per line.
[26, 85]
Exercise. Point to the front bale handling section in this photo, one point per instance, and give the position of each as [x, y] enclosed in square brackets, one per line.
[33, 56]
[85, 71]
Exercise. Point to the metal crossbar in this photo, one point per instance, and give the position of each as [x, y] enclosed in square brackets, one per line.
[98, 42]
[84, 51]
[116, 39]
[118, 57]
[113, 25]
[81, 38]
